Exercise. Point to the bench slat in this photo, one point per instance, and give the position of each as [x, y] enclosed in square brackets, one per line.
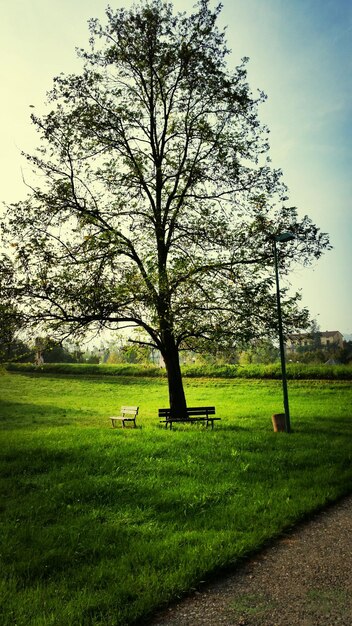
[194, 414]
[128, 414]
[191, 410]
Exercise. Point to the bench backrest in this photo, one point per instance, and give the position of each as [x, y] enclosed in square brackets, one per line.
[191, 410]
[201, 410]
[129, 410]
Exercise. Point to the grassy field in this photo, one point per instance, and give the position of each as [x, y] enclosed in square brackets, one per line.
[101, 526]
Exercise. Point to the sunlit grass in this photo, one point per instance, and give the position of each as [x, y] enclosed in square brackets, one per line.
[102, 525]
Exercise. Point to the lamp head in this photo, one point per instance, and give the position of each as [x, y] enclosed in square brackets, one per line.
[282, 237]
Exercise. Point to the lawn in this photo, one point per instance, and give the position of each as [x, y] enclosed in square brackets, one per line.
[102, 526]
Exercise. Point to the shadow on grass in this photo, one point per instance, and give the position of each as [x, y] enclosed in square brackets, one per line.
[201, 428]
[332, 426]
[16, 415]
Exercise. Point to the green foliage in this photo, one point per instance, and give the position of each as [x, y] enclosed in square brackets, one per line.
[323, 354]
[128, 353]
[295, 371]
[157, 197]
[52, 351]
[11, 319]
[102, 526]
[88, 369]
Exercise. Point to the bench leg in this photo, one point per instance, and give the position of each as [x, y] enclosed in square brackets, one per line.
[128, 419]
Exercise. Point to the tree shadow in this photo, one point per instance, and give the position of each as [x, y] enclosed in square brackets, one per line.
[14, 415]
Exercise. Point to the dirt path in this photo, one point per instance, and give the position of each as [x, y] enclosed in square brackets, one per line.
[302, 579]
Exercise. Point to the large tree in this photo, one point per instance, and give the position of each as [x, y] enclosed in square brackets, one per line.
[11, 319]
[156, 199]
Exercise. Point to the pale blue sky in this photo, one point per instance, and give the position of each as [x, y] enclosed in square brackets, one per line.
[300, 56]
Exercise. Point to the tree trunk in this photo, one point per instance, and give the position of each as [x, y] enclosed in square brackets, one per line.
[177, 397]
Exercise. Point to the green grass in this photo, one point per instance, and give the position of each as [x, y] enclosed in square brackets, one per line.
[101, 525]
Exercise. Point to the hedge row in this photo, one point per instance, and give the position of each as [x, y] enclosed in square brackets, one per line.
[295, 371]
[86, 369]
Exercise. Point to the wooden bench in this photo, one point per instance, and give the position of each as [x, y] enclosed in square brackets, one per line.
[128, 414]
[194, 414]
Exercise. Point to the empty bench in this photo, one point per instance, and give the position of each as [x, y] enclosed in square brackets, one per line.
[194, 414]
[127, 414]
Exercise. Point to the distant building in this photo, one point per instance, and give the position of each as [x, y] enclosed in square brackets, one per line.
[331, 338]
[327, 339]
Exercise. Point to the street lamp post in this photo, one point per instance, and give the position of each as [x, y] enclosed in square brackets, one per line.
[283, 237]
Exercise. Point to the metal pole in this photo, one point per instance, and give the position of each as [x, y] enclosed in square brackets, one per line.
[282, 346]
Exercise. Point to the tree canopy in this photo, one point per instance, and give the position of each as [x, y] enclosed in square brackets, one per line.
[156, 199]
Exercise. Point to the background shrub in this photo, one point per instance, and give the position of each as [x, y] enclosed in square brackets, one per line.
[295, 371]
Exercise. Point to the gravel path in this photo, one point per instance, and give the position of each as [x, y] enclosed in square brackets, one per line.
[302, 579]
